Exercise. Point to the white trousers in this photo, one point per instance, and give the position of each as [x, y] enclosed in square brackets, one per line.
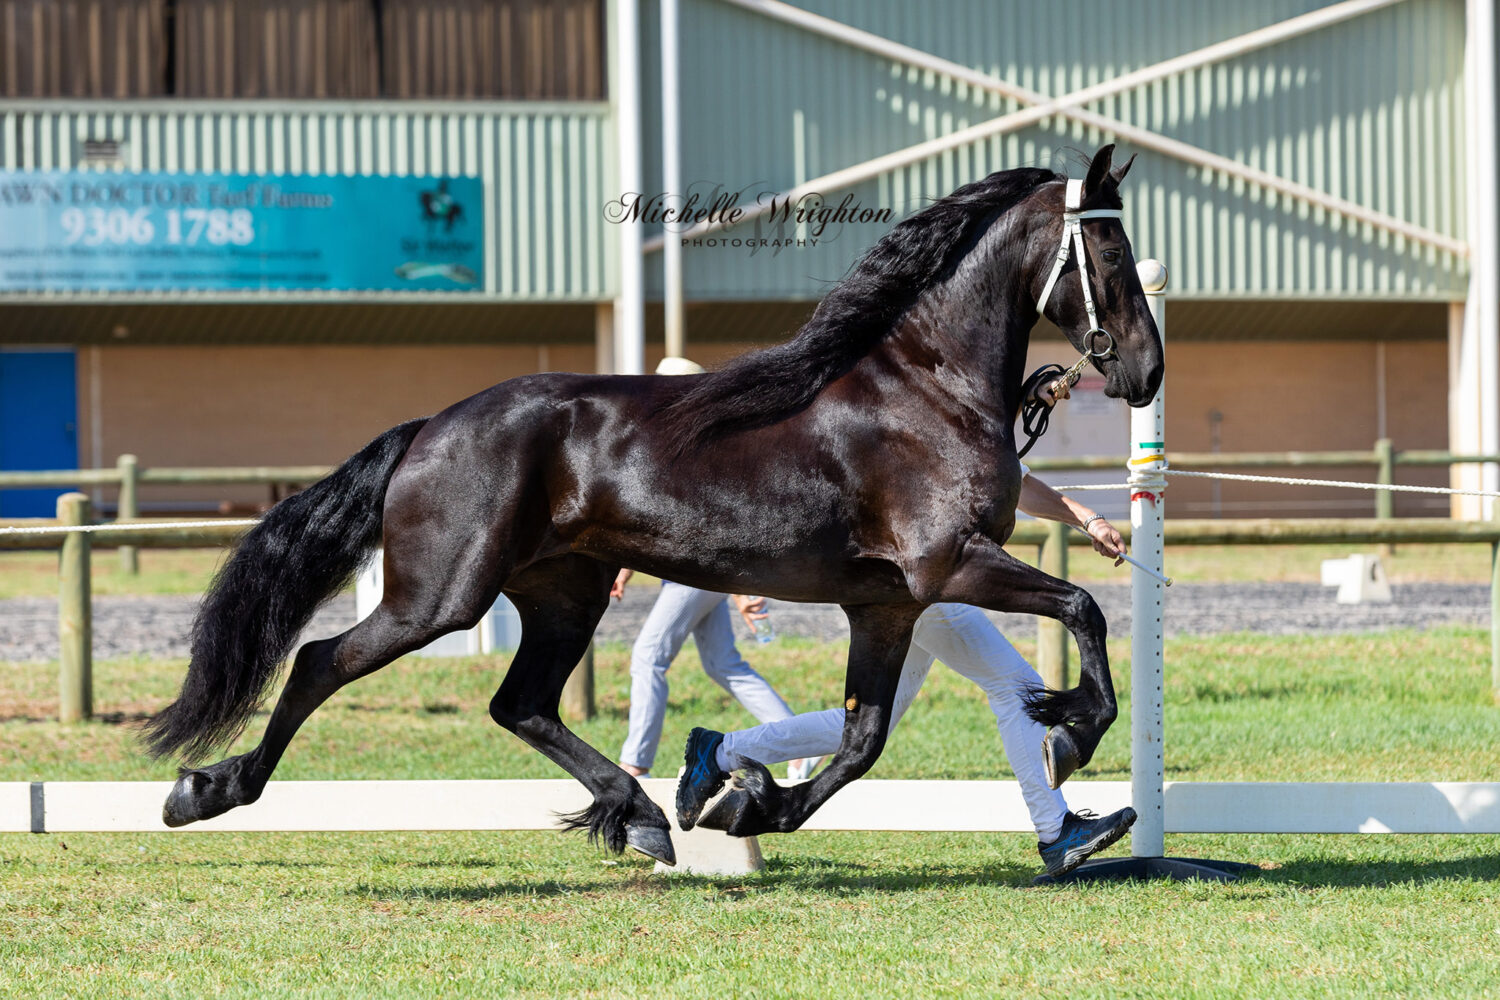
[968, 642]
[681, 611]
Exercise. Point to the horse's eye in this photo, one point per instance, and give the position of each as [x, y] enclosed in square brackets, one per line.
[1111, 256]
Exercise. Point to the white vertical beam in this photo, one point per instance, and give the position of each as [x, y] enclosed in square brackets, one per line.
[1463, 409]
[604, 338]
[1484, 226]
[630, 307]
[1147, 485]
[671, 175]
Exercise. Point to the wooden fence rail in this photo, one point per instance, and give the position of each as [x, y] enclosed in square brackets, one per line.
[1381, 455]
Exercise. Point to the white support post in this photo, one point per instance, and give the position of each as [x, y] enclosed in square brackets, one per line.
[1483, 310]
[671, 177]
[1146, 473]
[1463, 410]
[630, 307]
[1148, 483]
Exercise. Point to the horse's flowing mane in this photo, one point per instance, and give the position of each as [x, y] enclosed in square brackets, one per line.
[769, 385]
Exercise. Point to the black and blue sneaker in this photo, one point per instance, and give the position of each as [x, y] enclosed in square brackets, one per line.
[701, 779]
[1082, 836]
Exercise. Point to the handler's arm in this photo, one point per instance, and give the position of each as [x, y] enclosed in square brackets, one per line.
[617, 591]
[1040, 500]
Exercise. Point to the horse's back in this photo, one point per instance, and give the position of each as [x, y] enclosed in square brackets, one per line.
[517, 458]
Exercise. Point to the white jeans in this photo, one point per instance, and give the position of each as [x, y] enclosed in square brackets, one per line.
[963, 638]
[678, 612]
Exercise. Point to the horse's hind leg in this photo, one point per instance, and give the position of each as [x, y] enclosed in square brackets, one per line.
[560, 602]
[446, 553]
[321, 667]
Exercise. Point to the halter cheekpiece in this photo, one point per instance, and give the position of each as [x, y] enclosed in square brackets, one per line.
[1072, 237]
[1097, 342]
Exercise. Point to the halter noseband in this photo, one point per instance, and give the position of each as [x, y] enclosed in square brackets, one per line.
[1073, 219]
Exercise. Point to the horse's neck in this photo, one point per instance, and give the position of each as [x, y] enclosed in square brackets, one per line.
[965, 349]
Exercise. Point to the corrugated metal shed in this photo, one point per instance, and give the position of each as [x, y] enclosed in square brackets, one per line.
[1370, 110]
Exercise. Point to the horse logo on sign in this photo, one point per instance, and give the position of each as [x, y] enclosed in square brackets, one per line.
[440, 206]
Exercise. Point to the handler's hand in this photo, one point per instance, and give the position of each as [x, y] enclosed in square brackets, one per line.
[1107, 541]
[618, 590]
[752, 609]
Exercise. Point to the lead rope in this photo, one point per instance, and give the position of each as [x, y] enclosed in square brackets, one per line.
[1035, 411]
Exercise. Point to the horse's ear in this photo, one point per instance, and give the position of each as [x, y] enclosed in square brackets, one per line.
[1118, 174]
[1098, 169]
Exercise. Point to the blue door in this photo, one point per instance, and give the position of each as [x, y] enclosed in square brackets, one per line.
[38, 424]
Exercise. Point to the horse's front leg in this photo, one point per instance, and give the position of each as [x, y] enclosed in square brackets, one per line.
[989, 577]
[879, 638]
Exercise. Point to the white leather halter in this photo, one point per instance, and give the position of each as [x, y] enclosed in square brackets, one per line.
[1073, 219]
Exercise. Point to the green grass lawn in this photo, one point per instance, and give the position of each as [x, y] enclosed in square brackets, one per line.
[834, 914]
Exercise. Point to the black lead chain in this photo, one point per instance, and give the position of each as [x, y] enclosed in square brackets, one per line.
[1034, 410]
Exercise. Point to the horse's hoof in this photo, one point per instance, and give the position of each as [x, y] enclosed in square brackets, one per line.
[184, 803]
[723, 814]
[653, 842]
[1061, 755]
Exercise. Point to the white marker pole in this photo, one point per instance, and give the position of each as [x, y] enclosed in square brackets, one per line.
[1147, 483]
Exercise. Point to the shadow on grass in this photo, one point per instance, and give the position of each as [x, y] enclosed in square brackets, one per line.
[832, 878]
[802, 876]
[1326, 873]
[118, 718]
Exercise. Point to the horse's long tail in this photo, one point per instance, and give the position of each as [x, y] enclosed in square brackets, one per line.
[303, 551]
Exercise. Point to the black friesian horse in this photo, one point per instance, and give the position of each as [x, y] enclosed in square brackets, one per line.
[868, 461]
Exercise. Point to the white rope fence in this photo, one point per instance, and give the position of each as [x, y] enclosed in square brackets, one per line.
[129, 526]
[1290, 481]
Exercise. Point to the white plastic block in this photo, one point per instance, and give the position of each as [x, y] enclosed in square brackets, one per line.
[1334, 571]
[700, 851]
[498, 631]
[1364, 582]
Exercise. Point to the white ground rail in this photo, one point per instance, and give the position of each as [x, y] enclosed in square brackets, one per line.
[875, 805]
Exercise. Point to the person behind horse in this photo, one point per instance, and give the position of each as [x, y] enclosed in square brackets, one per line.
[678, 612]
[968, 642]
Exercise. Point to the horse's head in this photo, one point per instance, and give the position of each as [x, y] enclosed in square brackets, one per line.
[1121, 336]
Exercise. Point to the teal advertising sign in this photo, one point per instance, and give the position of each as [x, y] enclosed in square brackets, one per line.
[112, 232]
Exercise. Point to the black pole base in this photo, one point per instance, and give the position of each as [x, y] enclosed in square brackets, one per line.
[1179, 869]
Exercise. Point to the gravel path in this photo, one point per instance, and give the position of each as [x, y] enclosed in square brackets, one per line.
[158, 626]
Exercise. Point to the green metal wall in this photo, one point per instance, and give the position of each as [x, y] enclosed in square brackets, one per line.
[1370, 110]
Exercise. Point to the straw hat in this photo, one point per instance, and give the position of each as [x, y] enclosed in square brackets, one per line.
[678, 366]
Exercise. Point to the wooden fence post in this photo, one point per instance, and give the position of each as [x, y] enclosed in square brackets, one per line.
[578, 692]
[128, 508]
[75, 633]
[1385, 459]
[1051, 636]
